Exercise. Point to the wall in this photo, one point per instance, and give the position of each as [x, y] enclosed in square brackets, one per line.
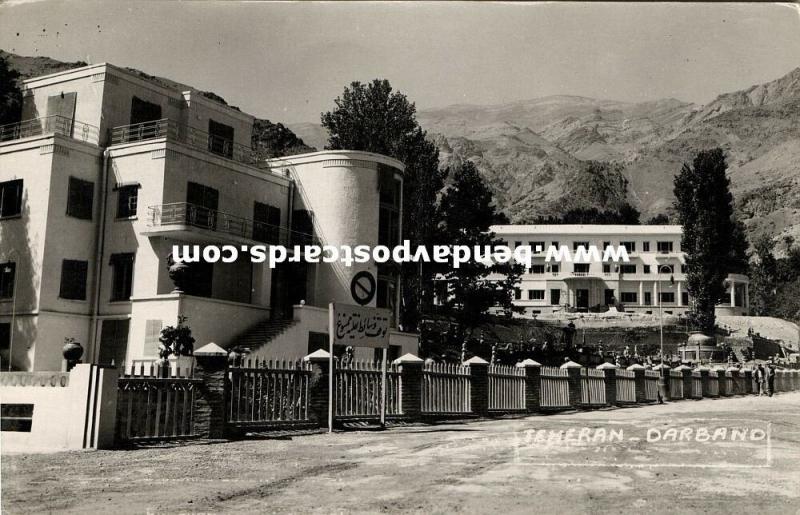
[79, 415]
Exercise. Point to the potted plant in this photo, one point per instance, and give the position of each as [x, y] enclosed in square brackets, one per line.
[175, 341]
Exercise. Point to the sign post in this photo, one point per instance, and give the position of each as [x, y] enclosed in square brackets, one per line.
[357, 326]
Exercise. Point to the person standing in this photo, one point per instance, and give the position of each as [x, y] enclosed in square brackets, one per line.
[770, 379]
[759, 372]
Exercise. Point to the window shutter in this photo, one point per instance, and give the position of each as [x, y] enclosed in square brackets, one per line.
[152, 332]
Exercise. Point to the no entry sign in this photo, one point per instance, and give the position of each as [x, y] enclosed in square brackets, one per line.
[362, 288]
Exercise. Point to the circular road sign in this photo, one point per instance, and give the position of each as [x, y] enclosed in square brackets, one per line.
[362, 287]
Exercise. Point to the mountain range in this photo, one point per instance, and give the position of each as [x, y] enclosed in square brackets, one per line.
[535, 154]
[544, 156]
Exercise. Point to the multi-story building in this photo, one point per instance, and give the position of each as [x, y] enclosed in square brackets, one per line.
[110, 168]
[653, 277]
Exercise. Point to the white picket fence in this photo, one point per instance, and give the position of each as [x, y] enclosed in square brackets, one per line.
[626, 386]
[697, 384]
[675, 384]
[555, 388]
[651, 380]
[357, 392]
[713, 384]
[445, 388]
[506, 388]
[730, 383]
[593, 387]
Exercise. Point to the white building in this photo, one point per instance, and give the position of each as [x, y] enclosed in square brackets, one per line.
[654, 275]
[110, 168]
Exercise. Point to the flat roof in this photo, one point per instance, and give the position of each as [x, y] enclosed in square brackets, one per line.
[323, 155]
[587, 229]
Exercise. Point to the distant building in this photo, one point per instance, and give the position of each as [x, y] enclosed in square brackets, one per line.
[109, 169]
[654, 276]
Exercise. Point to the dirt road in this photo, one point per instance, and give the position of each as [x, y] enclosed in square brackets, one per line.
[732, 455]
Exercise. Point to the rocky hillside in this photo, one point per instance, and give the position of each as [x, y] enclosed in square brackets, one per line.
[269, 139]
[532, 152]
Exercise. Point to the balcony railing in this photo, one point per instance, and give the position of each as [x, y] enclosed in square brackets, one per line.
[580, 274]
[183, 213]
[190, 136]
[50, 125]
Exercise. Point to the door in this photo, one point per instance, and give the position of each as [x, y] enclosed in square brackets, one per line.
[60, 113]
[609, 297]
[143, 111]
[220, 138]
[555, 296]
[114, 342]
[582, 298]
[203, 204]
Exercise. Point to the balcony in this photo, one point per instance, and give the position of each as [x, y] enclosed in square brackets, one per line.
[181, 217]
[50, 125]
[195, 138]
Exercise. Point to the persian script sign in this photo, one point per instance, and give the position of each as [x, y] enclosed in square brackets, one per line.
[360, 326]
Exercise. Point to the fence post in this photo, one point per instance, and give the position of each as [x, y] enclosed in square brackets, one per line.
[410, 367]
[737, 385]
[533, 384]
[574, 371]
[318, 387]
[723, 383]
[748, 381]
[687, 380]
[663, 382]
[704, 381]
[610, 381]
[211, 366]
[479, 385]
[639, 382]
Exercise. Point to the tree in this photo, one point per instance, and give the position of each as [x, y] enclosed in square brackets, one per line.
[704, 206]
[373, 118]
[659, 219]
[467, 214]
[626, 215]
[10, 94]
[763, 276]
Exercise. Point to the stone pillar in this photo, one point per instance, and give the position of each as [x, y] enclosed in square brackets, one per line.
[663, 381]
[533, 384]
[211, 366]
[680, 293]
[733, 293]
[737, 382]
[638, 371]
[723, 383]
[704, 380]
[747, 297]
[574, 371]
[318, 387]
[479, 385]
[610, 380]
[641, 292]
[687, 381]
[748, 382]
[410, 367]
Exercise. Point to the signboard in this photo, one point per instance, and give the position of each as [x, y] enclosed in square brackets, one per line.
[362, 287]
[360, 326]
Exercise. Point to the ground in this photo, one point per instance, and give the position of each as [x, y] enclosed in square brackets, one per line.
[506, 466]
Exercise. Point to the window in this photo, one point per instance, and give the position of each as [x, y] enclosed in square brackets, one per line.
[667, 296]
[122, 276]
[646, 246]
[73, 279]
[537, 247]
[143, 111]
[5, 345]
[627, 269]
[629, 297]
[203, 204]
[555, 268]
[606, 269]
[606, 244]
[581, 268]
[664, 246]
[80, 198]
[517, 294]
[10, 198]
[127, 200]
[537, 269]
[648, 298]
[555, 244]
[646, 269]
[576, 244]
[535, 294]
[220, 138]
[7, 274]
[683, 269]
[608, 297]
[555, 296]
[16, 417]
[630, 246]
[266, 223]
[517, 244]
[685, 298]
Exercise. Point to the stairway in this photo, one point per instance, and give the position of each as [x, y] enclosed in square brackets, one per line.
[261, 333]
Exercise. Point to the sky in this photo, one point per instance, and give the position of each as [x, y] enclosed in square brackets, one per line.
[288, 61]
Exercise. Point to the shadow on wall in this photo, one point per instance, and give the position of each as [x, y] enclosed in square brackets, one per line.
[18, 341]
